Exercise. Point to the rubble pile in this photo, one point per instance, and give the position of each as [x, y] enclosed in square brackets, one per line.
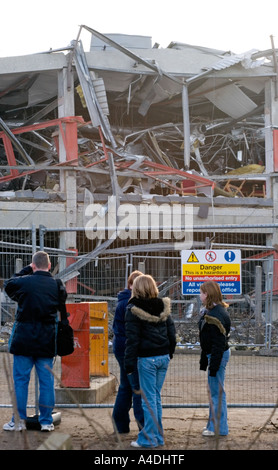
[244, 335]
[180, 120]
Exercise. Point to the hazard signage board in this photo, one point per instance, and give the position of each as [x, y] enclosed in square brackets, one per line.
[221, 266]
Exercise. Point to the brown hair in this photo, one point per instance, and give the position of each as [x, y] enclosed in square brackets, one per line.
[144, 286]
[131, 278]
[41, 260]
[214, 294]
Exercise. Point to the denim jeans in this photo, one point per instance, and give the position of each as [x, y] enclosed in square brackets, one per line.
[125, 398]
[152, 373]
[22, 368]
[218, 419]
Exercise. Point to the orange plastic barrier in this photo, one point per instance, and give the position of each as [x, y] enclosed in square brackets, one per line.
[89, 321]
[76, 368]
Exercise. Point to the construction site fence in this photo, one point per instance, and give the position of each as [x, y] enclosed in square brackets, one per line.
[252, 372]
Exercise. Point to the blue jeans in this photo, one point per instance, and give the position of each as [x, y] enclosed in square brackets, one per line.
[124, 399]
[152, 373]
[22, 368]
[218, 420]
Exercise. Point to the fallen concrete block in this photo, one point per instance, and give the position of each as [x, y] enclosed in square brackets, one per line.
[40, 194]
[24, 194]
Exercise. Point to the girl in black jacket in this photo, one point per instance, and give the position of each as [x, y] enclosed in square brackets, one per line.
[151, 341]
[214, 328]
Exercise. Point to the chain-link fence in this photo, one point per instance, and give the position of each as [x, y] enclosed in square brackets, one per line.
[253, 369]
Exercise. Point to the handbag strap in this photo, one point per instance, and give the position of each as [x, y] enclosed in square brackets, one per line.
[62, 305]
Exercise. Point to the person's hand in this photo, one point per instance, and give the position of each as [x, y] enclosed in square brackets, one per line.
[133, 380]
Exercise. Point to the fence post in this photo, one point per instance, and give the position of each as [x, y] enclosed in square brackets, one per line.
[41, 231]
[268, 307]
[34, 239]
[34, 249]
[258, 304]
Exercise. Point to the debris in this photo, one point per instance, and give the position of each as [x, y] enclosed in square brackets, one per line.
[133, 115]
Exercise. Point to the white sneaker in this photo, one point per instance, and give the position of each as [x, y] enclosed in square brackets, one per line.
[135, 444]
[11, 426]
[47, 427]
[206, 432]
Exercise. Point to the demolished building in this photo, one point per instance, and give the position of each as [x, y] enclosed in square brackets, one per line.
[133, 123]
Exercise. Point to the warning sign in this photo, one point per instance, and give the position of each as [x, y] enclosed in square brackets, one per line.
[193, 258]
[222, 266]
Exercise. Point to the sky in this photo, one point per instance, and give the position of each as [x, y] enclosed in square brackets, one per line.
[33, 26]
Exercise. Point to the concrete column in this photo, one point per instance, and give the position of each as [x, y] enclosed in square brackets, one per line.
[67, 178]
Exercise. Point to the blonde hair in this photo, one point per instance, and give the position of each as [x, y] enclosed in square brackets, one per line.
[41, 260]
[131, 278]
[144, 286]
[214, 294]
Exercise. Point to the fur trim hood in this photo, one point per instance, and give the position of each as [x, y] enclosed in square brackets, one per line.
[152, 310]
[215, 321]
[214, 328]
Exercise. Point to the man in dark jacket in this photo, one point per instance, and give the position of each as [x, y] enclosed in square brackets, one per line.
[125, 395]
[33, 338]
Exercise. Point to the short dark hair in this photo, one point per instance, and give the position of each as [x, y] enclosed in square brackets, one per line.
[41, 260]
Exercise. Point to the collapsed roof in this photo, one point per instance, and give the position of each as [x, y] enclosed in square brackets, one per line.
[154, 121]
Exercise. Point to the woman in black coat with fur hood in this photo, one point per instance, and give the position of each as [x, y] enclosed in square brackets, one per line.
[151, 341]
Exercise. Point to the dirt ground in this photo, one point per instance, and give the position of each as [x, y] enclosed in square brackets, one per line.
[251, 428]
[92, 429]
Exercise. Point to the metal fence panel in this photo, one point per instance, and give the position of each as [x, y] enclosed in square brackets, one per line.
[252, 371]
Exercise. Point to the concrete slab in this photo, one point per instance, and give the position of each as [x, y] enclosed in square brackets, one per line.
[100, 389]
[26, 194]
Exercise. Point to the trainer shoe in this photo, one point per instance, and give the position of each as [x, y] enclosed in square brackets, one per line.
[135, 444]
[206, 432]
[11, 426]
[47, 427]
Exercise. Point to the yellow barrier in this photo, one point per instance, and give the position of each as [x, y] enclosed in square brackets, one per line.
[98, 312]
